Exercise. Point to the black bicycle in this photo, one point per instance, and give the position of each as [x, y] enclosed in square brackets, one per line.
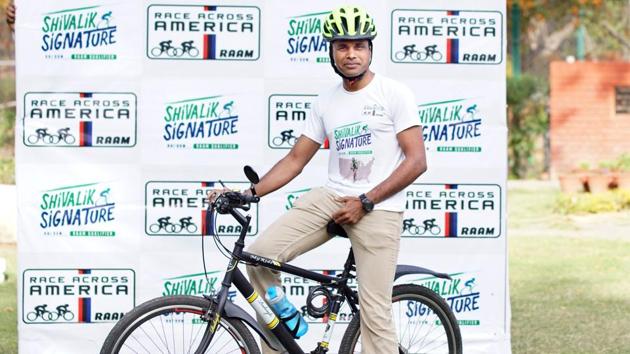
[214, 324]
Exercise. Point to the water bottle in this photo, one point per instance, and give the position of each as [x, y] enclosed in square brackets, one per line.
[286, 311]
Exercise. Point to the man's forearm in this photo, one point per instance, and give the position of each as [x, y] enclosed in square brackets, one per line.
[280, 174]
[407, 172]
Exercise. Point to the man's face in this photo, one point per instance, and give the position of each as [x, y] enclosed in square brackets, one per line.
[352, 57]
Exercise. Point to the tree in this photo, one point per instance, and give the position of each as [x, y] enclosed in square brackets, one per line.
[548, 30]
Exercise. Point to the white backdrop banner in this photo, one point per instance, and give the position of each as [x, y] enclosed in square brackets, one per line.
[130, 111]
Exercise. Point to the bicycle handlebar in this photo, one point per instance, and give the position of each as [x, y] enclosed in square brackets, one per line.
[234, 200]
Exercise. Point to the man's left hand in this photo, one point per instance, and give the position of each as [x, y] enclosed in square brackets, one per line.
[351, 212]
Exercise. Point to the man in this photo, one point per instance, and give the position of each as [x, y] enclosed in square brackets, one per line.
[368, 170]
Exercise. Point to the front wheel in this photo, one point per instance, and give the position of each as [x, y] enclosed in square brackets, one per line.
[173, 324]
[424, 324]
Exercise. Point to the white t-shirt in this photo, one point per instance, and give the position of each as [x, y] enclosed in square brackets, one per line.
[361, 128]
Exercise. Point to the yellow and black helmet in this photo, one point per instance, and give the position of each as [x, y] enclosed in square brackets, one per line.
[349, 22]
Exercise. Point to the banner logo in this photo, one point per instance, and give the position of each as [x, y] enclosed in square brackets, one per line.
[77, 295]
[86, 33]
[287, 116]
[452, 126]
[80, 119]
[192, 32]
[462, 293]
[446, 37]
[179, 208]
[452, 210]
[201, 123]
[82, 210]
[305, 42]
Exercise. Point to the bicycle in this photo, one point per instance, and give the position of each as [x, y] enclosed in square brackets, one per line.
[416, 230]
[286, 136]
[223, 326]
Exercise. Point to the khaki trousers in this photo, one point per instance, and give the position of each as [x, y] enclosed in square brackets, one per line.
[375, 240]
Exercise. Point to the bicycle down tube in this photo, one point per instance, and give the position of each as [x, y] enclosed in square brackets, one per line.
[234, 276]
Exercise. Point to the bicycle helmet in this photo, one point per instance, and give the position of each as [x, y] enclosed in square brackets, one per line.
[351, 23]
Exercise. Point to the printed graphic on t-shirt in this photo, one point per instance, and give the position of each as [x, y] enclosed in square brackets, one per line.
[374, 110]
[354, 146]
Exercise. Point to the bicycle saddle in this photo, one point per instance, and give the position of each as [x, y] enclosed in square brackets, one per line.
[335, 229]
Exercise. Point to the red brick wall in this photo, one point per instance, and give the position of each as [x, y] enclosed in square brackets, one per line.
[584, 126]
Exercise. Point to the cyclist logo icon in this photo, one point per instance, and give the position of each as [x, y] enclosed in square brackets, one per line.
[186, 47]
[41, 311]
[286, 136]
[104, 22]
[42, 134]
[227, 110]
[164, 223]
[102, 200]
[410, 52]
[471, 113]
[428, 225]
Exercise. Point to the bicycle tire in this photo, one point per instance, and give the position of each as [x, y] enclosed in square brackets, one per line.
[156, 51]
[437, 230]
[31, 141]
[400, 55]
[277, 142]
[192, 228]
[193, 52]
[69, 139]
[442, 317]
[124, 335]
[68, 316]
[292, 141]
[31, 318]
[437, 56]
[152, 228]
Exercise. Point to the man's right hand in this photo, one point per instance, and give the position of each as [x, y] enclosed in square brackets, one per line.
[213, 194]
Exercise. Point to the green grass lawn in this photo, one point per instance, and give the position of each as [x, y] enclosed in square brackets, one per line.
[570, 287]
[8, 304]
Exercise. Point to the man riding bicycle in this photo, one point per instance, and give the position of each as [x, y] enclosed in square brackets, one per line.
[185, 221]
[187, 45]
[164, 221]
[430, 49]
[41, 132]
[370, 210]
[409, 49]
[63, 132]
[62, 309]
[286, 135]
[164, 45]
[429, 223]
[40, 310]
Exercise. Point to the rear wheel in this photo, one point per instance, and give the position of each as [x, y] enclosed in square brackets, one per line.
[173, 324]
[424, 324]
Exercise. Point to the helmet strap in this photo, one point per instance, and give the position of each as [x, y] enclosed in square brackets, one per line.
[345, 77]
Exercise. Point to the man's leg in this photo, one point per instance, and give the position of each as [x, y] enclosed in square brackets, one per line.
[376, 242]
[299, 230]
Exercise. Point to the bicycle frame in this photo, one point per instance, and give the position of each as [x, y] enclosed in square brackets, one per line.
[220, 306]
[234, 276]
